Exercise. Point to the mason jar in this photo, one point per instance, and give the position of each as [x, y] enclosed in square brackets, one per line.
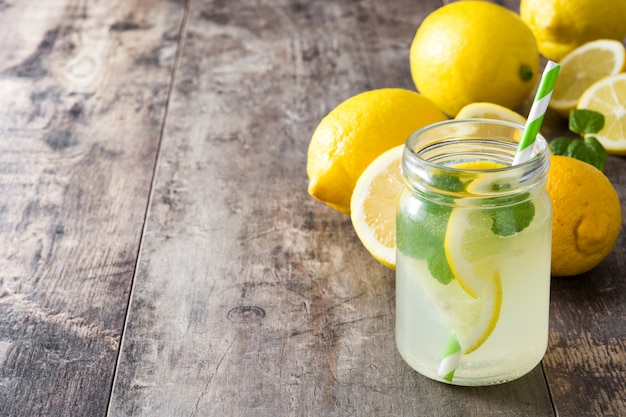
[473, 253]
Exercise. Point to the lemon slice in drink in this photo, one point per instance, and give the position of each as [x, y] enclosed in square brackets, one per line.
[472, 319]
[608, 96]
[373, 205]
[582, 67]
[472, 250]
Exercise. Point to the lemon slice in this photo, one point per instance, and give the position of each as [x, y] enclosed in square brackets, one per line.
[473, 252]
[480, 185]
[472, 319]
[582, 67]
[373, 205]
[484, 110]
[608, 96]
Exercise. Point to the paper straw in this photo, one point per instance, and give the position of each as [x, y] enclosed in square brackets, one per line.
[450, 359]
[537, 111]
[452, 353]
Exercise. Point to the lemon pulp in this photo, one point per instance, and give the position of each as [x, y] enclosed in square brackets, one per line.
[584, 66]
[373, 205]
[608, 96]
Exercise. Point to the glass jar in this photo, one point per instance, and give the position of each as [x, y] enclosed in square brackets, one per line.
[473, 253]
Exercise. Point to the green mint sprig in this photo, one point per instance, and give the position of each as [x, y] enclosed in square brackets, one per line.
[421, 228]
[420, 234]
[513, 219]
[589, 149]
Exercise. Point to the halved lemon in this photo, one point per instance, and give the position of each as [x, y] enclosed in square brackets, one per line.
[473, 252]
[373, 205]
[582, 67]
[608, 96]
[484, 110]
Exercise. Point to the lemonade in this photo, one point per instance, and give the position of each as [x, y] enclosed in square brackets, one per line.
[473, 253]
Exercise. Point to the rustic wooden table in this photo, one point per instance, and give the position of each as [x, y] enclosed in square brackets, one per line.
[160, 254]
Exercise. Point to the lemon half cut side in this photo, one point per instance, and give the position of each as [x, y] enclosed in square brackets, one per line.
[373, 205]
[584, 66]
[485, 110]
[608, 96]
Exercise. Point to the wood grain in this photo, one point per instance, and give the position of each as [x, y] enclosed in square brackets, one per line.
[251, 299]
[152, 157]
[585, 364]
[586, 360]
[84, 89]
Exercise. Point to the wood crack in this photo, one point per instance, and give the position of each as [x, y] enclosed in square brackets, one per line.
[210, 380]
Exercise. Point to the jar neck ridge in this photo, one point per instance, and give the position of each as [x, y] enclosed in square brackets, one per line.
[431, 159]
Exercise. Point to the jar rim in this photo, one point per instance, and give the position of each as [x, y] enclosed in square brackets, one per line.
[436, 149]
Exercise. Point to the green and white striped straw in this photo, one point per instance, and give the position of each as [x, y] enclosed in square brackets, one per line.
[452, 353]
[450, 359]
[537, 111]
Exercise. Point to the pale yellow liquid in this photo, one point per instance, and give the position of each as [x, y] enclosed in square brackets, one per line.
[519, 339]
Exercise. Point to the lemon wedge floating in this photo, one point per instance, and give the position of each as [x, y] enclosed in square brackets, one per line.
[473, 252]
[486, 110]
[608, 96]
[373, 205]
[584, 66]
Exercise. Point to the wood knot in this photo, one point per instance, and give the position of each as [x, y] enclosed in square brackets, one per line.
[246, 314]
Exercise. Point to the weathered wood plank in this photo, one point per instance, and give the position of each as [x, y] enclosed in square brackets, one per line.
[586, 360]
[251, 299]
[84, 86]
[585, 364]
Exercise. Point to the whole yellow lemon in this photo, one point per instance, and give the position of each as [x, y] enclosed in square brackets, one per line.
[586, 215]
[560, 26]
[474, 51]
[357, 131]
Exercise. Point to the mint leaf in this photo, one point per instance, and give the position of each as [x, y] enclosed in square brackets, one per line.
[559, 146]
[583, 121]
[597, 151]
[512, 219]
[420, 226]
[420, 234]
[578, 150]
[590, 150]
[438, 265]
[412, 237]
[448, 182]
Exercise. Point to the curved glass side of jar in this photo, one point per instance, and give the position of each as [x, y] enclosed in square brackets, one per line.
[473, 253]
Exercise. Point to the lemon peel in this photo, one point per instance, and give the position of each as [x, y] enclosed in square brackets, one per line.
[586, 215]
[561, 26]
[454, 38]
[355, 132]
